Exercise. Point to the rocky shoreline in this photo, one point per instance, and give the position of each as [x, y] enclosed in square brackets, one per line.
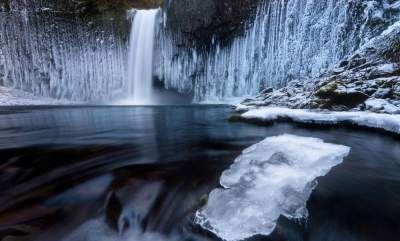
[369, 80]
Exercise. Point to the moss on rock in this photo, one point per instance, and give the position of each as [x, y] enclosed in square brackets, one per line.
[335, 95]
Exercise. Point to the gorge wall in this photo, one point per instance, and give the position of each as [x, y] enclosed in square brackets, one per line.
[46, 48]
[286, 39]
[212, 49]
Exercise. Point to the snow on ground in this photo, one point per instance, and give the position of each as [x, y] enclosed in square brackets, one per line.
[381, 105]
[272, 178]
[10, 97]
[223, 101]
[387, 122]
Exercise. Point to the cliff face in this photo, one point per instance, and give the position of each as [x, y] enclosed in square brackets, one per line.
[201, 22]
[46, 48]
[367, 80]
[282, 41]
[77, 50]
[212, 48]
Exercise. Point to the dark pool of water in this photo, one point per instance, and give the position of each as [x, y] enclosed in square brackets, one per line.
[139, 173]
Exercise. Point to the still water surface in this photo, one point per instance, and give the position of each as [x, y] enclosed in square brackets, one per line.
[139, 173]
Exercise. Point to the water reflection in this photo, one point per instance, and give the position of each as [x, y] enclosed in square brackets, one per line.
[138, 173]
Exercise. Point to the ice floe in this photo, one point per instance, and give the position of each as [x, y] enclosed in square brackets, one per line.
[272, 178]
[387, 122]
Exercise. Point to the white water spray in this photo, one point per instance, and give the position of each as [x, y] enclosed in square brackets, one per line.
[140, 58]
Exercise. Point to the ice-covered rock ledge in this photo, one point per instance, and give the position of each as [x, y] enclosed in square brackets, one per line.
[364, 90]
[386, 122]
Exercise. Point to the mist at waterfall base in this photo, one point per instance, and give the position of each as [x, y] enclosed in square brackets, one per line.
[141, 173]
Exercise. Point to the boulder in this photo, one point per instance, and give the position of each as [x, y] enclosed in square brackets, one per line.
[113, 210]
[335, 95]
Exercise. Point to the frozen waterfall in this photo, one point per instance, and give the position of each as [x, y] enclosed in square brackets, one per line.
[54, 53]
[140, 57]
[291, 39]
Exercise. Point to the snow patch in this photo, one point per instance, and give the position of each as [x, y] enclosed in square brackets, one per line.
[387, 68]
[272, 178]
[382, 121]
[381, 105]
[10, 97]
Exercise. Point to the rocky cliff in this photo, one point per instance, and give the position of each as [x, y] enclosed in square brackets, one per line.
[213, 49]
[77, 50]
[48, 49]
[369, 79]
[285, 40]
[199, 23]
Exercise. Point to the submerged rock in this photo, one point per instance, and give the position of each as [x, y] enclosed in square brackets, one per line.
[113, 211]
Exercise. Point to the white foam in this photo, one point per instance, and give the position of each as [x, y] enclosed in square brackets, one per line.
[272, 178]
[387, 122]
[97, 230]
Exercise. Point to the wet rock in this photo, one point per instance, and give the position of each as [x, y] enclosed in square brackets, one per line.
[18, 233]
[343, 63]
[336, 96]
[113, 210]
[327, 89]
[267, 91]
[383, 93]
[370, 91]
[356, 63]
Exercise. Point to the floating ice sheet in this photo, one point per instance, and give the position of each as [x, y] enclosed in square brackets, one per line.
[272, 178]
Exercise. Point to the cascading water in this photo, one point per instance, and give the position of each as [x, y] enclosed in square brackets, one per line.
[140, 58]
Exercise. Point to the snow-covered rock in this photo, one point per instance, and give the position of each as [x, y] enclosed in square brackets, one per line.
[380, 105]
[387, 122]
[372, 73]
[272, 178]
[296, 39]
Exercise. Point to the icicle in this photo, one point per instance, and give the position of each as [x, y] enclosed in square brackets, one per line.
[288, 39]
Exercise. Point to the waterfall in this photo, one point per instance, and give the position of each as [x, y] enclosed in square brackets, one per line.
[289, 39]
[140, 57]
[49, 51]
